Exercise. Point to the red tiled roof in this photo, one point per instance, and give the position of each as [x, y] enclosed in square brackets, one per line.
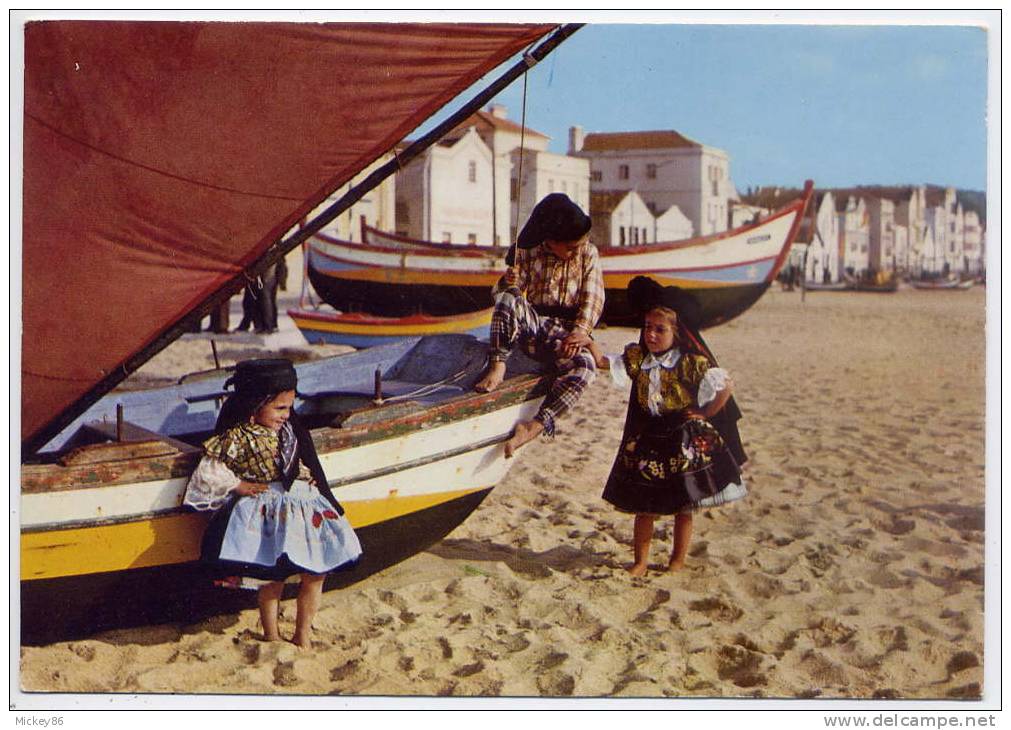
[484, 120]
[660, 139]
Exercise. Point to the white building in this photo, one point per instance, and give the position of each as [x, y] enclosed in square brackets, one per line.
[823, 259]
[972, 245]
[881, 233]
[854, 234]
[665, 168]
[445, 194]
[622, 218]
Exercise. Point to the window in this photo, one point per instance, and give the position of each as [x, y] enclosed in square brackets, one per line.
[472, 171]
[472, 239]
[447, 237]
[635, 236]
[651, 171]
[623, 172]
[403, 212]
[643, 236]
[621, 235]
[716, 187]
[514, 189]
[596, 176]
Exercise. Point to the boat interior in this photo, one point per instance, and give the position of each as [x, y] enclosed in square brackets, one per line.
[346, 391]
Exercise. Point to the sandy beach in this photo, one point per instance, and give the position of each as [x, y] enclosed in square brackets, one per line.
[855, 567]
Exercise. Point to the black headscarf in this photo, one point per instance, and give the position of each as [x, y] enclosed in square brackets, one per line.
[555, 217]
[645, 294]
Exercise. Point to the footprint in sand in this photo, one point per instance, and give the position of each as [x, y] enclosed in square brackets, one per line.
[716, 609]
[740, 665]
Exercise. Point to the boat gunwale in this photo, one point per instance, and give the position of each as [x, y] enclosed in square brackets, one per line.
[432, 249]
[362, 318]
[55, 477]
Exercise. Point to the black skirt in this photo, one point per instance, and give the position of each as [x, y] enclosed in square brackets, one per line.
[667, 465]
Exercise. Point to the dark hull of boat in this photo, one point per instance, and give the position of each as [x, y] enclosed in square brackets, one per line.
[719, 304]
[399, 300]
[63, 609]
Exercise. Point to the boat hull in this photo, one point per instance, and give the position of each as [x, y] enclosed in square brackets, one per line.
[76, 606]
[360, 331]
[391, 276]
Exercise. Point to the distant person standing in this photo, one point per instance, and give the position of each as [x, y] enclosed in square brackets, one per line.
[259, 300]
[548, 303]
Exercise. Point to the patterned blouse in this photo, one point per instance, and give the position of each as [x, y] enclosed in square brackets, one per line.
[550, 281]
[246, 452]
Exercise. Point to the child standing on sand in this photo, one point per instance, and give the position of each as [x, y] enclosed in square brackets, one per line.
[275, 514]
[672, 459]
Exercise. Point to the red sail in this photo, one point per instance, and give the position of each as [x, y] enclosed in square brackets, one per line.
[162, 158]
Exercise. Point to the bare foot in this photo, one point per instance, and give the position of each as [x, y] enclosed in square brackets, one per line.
[271, 636]
[492, 377]
[301, 642]
[636, 569]
[675, 565]
[524, 432]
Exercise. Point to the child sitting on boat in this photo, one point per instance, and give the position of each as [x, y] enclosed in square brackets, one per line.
[672, 459]
[275, 514]
[548, 302]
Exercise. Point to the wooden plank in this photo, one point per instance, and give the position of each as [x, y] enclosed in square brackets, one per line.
[116, 451]
[132, 433]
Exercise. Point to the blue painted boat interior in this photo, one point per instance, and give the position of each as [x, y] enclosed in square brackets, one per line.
[425, 370]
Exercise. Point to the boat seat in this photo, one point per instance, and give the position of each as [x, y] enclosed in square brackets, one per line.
[132, 433]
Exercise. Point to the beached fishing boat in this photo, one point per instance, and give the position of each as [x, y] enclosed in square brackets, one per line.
[409, 449]
[392, 276]
[163, 168]
[941, 284]
[365, 330]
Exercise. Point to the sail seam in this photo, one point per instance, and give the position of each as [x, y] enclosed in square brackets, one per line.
[155, 170]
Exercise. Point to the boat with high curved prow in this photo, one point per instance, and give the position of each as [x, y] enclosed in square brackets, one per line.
[393, 276]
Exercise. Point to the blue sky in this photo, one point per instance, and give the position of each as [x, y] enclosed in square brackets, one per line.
[843, 105]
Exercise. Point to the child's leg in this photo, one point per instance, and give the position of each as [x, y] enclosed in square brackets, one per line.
[642, 535]
[682, 536]
[310, 595]
[269, 598]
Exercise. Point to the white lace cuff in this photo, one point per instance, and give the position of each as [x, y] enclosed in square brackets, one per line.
[210, 484]
[712, 383]
[619, 376]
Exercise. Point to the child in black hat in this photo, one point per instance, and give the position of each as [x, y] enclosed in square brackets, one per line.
[548, 302]
[672, 459]
[275, 514]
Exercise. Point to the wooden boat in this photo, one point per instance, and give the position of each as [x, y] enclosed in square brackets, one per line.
[821, 286]
[101, 516]
[940, 284]
[392, 276]
[162, 177]
[364, 330]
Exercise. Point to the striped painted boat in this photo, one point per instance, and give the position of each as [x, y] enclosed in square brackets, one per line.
[365, 330]
[105, 541]
[393, 276]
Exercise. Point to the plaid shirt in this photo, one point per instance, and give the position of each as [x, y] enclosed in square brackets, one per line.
[550, 281]
[249, 450]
